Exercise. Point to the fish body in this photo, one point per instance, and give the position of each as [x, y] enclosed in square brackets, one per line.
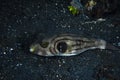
[66, 45]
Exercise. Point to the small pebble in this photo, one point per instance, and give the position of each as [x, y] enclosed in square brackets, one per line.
[119, 44]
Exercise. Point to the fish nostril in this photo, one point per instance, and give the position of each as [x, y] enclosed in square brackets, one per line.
[62, 47]
[44, 44]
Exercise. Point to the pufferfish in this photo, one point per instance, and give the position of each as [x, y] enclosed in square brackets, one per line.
[67, 45]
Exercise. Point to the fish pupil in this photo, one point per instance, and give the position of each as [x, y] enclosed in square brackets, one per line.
[62, 47]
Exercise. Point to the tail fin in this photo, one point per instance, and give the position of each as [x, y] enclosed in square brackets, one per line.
[111, 47]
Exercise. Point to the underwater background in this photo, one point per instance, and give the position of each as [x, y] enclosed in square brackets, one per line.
[23, 21]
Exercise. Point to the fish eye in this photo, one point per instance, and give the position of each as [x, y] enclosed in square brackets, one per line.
[62, 47]
[44, 44]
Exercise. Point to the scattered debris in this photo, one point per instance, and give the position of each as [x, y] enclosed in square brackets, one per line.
[93, 8]
[76, 7]
[90, 4]
[95, 21]
[73, 10]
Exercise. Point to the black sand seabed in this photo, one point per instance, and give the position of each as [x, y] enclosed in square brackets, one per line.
[22, 21]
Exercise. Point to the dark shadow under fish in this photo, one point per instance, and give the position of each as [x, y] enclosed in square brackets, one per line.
[68, 45]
